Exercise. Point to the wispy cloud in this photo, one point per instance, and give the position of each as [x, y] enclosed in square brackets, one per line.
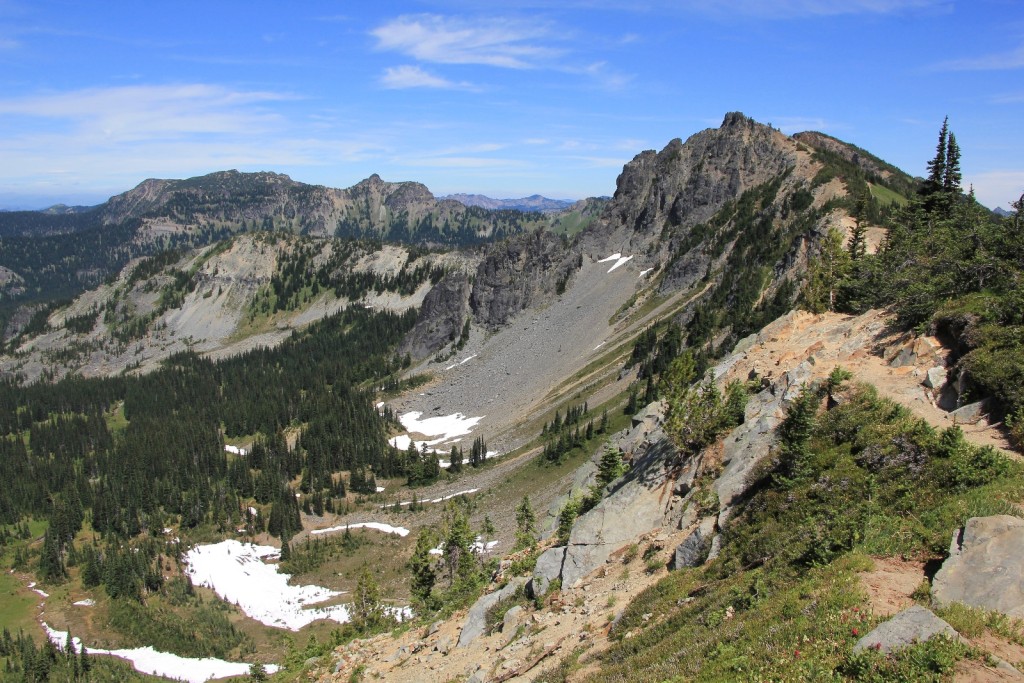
[409, 76]
[799, 124]
[8, 44]
[145, 112]
[787, 9]
[124, 134]
[603, 75]
[506, 43]
[1008, 98]
[999, 61]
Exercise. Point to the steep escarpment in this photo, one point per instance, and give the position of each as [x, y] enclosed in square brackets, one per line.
[520, 273]
[687, 183]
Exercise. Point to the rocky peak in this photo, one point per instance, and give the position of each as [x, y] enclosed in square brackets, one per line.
[688, 182]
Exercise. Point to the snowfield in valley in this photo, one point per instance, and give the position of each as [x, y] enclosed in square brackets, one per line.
[149, 661]
[237, 573]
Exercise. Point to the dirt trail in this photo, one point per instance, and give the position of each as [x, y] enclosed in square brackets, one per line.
[867, 346]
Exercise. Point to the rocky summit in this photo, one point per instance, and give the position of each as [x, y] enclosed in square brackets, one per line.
[720, 426]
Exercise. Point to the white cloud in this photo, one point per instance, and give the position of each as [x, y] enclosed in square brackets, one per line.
[8, 44]
[145, 112]
[408, 76]
[114, 137]
[787, 9]
[506, 43]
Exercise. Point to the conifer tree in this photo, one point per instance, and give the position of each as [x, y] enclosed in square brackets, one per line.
[952, 177]
[935, 182]
[367, 609]
[424, 573]
[610, 467]
[526, 525]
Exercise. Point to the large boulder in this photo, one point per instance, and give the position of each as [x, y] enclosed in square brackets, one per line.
[913, 625]
[547, 569]
[476, 620]
[694, 548]
[985, 567]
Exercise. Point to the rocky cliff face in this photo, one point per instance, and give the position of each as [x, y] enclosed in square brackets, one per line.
[373, 208]
[688, 183]
[444, 311]
[520, 273]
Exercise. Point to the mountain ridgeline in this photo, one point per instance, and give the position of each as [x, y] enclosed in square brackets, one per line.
[50, 256]
[292, 324]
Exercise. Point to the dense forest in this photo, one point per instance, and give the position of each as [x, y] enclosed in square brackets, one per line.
[132, 454]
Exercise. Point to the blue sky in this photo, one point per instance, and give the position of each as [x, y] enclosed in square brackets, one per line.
[502, 98]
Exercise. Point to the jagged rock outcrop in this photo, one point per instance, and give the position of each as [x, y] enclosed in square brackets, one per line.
[547, 569]
[695, 548]
[640, 501]
[687, 183]
[752, 441]
[522, 272]
[442, 316]
[373, 208]
[985, 567]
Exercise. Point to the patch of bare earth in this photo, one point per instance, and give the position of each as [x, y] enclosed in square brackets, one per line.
[867, 346]
[539, 639]
[891, 583]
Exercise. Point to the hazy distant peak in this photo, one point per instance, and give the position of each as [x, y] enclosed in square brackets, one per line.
[534, 202]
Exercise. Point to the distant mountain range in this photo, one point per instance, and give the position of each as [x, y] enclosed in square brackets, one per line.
[534, 202]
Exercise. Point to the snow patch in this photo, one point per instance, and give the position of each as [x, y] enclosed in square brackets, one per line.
[236, 450]
[386, 528]
[149, 661]
[436, 500]
[618, 258]
[237, 573]
[461, 362]
[644, 272]
[618, 263]
[88, 602]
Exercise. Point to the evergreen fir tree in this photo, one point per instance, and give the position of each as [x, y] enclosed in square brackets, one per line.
[526, 525]
[935, 182]
[610, 467]
[424, 572]
[952, 177]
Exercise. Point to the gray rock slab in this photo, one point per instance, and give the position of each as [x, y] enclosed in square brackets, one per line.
[935, 378]
[547, 569]
[985, 567]
[970, 413]
[512, 619]
[638, 505]
[747, 444]
[476, 620]
[693, 550]
[903, 358]
[913, 625]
